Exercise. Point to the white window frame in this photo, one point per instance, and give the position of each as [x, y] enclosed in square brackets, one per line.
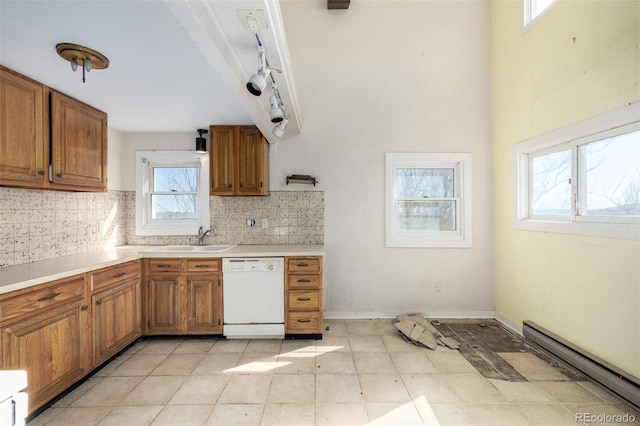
[618, 122]
[461, 236]
[527, 13]
[145, 162]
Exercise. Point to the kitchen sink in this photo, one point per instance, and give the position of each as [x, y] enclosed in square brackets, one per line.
[186, 249]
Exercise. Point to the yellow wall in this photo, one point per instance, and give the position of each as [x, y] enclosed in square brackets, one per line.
[580, 59]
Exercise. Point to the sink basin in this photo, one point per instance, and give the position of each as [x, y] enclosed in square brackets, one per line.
[208, 249]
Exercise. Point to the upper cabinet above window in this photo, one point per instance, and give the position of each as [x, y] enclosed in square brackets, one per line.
[38, 124]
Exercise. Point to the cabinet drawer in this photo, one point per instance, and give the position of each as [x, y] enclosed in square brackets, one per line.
[296, 281]
[164, 265]
[303, 321]
[311, 264]
[114, 274]
[304, 299]
[41, 298]
[208, 265]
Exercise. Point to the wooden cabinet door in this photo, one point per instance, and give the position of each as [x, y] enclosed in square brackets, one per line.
[78, 144]
[163, 304]
[116, 319]
[23, 133]
[53, 347]
[222, 158]
[204, 310]
[252, 162]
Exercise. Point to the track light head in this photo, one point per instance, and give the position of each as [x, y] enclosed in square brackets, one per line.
[277, 115]
[258, 82]
[278, 130]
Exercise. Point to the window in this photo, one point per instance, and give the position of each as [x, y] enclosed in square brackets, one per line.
[428, 200]
[534, 8]
[172, 193]
[584, 179]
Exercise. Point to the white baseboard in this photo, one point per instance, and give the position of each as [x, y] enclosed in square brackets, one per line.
[509, 324]
[430, 314]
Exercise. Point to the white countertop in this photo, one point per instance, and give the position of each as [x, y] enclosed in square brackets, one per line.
[29, 274]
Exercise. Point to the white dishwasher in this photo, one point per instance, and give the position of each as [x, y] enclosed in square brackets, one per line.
[253, 298]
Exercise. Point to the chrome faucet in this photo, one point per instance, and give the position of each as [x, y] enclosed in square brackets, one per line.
[202, 233]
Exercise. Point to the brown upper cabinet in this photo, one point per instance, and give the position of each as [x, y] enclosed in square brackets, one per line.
[24, 151]
[239, 161]
[39, 128]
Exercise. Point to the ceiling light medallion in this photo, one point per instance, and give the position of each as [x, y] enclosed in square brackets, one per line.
[79, 55]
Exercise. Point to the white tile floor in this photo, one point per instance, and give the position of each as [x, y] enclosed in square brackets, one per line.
[361, 373]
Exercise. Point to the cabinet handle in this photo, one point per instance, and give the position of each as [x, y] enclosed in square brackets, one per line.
[163, 266]
[304, 320]
[84, 308]
[119, 274]
[59, 175]
[203, 265]
[98, 302]
[302, 265]
[188, 282]
[304, 280]
[48, 297]
[303, 299]
[40, 172]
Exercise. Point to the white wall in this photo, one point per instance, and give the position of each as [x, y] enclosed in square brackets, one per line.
[382, 77]
[390, 76]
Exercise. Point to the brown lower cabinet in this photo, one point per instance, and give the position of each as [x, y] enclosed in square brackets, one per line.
[183, 296]
[60, 331]
[303, 295]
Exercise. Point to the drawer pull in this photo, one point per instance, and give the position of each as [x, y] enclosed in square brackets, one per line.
[204, 265]
[303, 299]
[302, 265]
[304, 280]
[163, 266]
[48, 297]
[84, 308]
[119, 274]
[304, 320]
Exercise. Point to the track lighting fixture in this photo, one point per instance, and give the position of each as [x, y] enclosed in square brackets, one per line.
[201, 143]
[278, 130]
[80, 55]
[258, 81]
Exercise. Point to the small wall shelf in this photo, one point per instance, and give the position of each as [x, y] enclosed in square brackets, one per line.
[304, 179]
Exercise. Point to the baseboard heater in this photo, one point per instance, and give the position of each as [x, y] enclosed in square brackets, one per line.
[620, 383]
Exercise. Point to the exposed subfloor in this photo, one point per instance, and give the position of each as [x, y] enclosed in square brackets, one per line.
[361, 373]
[485, 344]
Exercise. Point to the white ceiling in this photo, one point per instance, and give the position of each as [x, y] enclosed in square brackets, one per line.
[175, 66]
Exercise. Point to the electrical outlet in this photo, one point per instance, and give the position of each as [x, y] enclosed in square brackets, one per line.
[265, 223]
[438, 286]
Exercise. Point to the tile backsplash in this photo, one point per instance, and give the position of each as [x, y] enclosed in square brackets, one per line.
[38, 225]
[293, 218]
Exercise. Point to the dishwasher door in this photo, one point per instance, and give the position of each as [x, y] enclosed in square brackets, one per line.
[253, 297]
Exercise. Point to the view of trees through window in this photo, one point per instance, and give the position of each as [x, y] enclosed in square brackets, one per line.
[425, 199]
[608, 184]
[174, 192]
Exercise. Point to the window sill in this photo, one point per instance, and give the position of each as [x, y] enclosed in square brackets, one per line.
[626, 231]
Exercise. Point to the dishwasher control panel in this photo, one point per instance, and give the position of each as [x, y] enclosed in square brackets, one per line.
[254, 264]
